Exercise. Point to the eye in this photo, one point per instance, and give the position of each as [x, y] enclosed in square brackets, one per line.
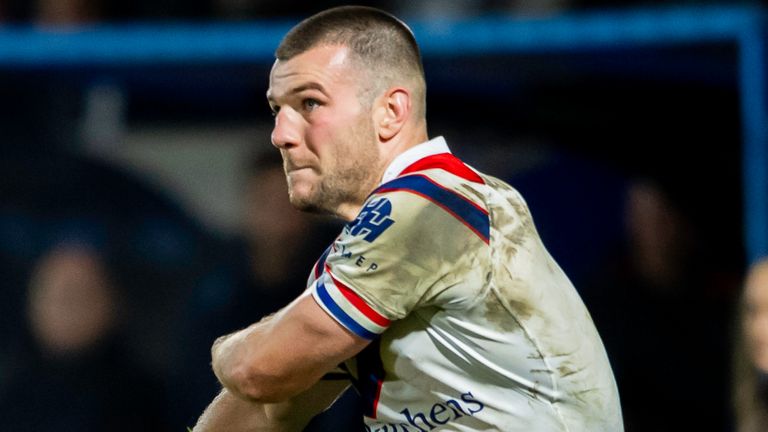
[310, 104]
[275, 109]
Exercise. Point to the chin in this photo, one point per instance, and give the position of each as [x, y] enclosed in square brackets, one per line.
[310, 204]
[302, 200]
[300, 204]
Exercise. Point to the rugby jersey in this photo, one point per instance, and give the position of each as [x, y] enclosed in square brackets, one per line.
[474, 327]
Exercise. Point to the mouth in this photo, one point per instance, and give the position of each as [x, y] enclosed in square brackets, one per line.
[290, 167]
[292, 170]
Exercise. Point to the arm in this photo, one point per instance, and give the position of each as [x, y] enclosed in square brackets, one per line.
[277, 359]
[234, 414]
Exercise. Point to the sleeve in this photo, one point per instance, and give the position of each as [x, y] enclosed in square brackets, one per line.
[402, 252]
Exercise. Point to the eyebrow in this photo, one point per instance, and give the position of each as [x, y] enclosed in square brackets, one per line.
[307, 86]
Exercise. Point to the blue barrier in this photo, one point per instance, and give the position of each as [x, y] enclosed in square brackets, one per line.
[255, 41]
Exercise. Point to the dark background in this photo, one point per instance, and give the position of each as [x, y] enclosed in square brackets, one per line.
[629, 157]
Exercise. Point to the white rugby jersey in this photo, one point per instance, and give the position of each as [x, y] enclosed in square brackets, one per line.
[474, 327]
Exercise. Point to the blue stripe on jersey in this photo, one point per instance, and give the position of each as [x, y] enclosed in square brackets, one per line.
[463, 209]
[346, 320]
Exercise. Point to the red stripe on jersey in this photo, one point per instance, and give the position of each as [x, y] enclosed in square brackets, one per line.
[358, 302]
[376, 399]
[447, 162]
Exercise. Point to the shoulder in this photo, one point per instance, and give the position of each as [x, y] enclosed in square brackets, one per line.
[436, 200]
[415, 237]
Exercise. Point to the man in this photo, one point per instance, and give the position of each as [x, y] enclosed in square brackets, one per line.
[437, 300]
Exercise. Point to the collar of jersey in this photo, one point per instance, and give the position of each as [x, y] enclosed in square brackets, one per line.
[434, 146]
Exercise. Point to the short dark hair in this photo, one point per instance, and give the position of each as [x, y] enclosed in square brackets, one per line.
[383, 44]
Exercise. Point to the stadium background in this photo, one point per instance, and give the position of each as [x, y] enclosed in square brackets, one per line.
[136, 130]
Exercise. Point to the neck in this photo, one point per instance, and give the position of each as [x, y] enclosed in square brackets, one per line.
[348, 211]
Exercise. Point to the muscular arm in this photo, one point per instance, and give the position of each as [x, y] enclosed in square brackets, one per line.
[233, 414]
[274, 360]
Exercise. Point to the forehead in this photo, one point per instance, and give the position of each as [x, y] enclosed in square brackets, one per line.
[326, 65]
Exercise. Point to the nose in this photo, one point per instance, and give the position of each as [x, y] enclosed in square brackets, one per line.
[286, 132]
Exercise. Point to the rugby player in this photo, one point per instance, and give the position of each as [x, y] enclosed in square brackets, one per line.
[438, 300]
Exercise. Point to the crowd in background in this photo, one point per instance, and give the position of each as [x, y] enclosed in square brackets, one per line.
[112, 294]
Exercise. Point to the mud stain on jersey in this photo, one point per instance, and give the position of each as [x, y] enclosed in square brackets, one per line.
[505, 318]
[469, 191]
[514, 292]
[567, 369]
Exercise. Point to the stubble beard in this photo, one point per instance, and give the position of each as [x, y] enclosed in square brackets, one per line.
[354, 176]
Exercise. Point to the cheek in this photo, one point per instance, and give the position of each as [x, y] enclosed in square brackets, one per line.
[323, 127]
[319, 139]
[326, 142]
[336, 140]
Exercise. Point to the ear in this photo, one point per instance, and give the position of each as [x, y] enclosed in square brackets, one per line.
[392, 113]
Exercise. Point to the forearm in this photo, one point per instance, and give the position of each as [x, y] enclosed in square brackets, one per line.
[233, 414]
[279, 358]
[229, 354]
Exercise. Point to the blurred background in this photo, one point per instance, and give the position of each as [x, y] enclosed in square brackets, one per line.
[143, 211]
